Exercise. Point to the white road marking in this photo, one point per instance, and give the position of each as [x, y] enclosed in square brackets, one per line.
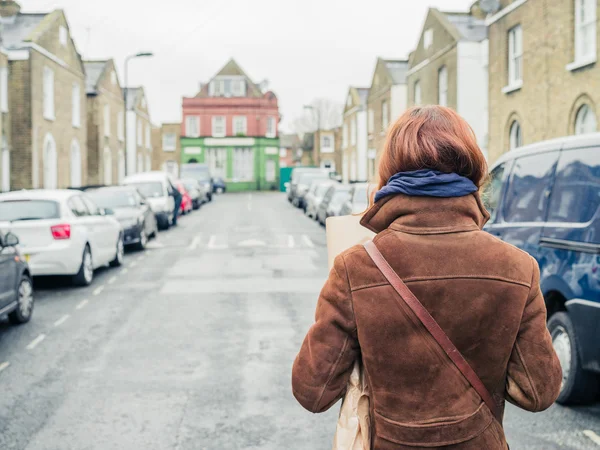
[212, 241]
[291, 241]
[141, 257]
[133, 264]
[307, 241]
[593, 436]
[62, 320]
[112, 280]
[33, 344]
[98, 290]
[124, 271]
[82, 304]
[194, 244]
[4, 365]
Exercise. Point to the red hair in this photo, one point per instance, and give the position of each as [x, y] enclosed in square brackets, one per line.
[432, 137]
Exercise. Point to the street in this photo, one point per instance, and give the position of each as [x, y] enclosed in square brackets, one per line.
[190, 345]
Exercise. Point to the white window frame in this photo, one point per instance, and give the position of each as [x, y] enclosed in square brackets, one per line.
[219, 126]
[353, 130]
[326, 143]
[113, 77]
[192, 126]
[148, 137]
[371, 120]
[169, 142]
[63, 36]
[121, 126]
[4, 89]
[385, 115]
[106, 115]
[76, 105]
[216, 158]
[417, 93]
[243, 164]
[345, 136]
[140, 131]
[107, 163]
[515, 56]
[240, 125]
[48, 92]
[428, 38]
[443, 86]
[515, 135]
[271, 127]
[585, 120]
[585, 32]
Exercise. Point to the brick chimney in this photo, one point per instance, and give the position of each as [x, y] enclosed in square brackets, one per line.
[9, 8]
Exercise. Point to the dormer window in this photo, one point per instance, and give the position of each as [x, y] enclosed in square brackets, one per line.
[227, 87]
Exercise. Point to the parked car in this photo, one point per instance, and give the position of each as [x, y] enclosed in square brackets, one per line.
[304, 182]
[315, 196]
[219, 185]
[186, 206]
[200, 173]
[358, 199]
[16, 288]
[545, 199]
[156, 187]
[62, 232]
[195, 190]
[332, 201]
[132, 211]
[295, 178]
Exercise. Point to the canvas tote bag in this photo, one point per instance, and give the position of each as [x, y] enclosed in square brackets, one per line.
[353, 428]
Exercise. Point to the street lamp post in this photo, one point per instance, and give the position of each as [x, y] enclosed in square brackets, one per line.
[125, 85]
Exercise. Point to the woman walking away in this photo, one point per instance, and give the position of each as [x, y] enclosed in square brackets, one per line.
[483, 293]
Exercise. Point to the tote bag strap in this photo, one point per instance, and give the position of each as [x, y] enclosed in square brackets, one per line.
[432, 326]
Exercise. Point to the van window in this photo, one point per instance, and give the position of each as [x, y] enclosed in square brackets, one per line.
[526, 196]
[576, 193]
[493, 189]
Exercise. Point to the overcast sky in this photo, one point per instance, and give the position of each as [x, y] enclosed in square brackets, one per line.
[306, 48]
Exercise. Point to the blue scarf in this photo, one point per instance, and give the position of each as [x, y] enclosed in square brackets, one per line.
[427, 183]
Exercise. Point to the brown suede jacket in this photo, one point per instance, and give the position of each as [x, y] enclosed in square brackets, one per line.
[484, 293]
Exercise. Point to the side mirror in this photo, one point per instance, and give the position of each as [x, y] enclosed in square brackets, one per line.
[11, 240]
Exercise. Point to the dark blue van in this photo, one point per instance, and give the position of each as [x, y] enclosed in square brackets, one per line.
[545, 199]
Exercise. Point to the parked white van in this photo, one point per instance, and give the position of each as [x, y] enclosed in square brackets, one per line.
[157, 187]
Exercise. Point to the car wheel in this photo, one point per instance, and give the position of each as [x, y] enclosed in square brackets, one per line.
[85, 276]
[24, 302]
[578, 385]
[220, 190]
[120, 255]
[210, 197]
[143, 240]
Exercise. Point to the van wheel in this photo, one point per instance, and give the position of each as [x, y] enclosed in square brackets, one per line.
[578, 386]
[85, 276]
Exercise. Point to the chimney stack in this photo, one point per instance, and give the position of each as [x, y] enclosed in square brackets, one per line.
[9, 8]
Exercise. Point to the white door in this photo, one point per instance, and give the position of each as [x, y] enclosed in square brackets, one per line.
[5, 169]
[50, 163]
[75, 164]
[107, 167]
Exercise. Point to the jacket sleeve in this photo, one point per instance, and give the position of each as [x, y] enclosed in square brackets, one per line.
[323, 366]
[534, 373]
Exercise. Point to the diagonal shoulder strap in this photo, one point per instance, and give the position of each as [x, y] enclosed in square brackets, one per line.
[432, 326]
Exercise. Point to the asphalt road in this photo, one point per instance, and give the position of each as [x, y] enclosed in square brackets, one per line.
[190, 346]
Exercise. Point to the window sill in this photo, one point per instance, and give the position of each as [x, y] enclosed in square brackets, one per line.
[50, 118]
[517, 85]
[575, 65]
[75, 125]
[216, 136]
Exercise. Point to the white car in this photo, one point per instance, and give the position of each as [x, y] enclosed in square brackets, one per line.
[62, 232]
[157, 188]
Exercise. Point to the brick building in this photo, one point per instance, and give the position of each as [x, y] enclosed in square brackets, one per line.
[166, 148]
[327, 149]
[354, 136]
[138, 138]
[290, 150]
[5, 140]
[231, 125]
[47, 100]
[544, 78]
[387, 100]
[105, 123]
[449, 67]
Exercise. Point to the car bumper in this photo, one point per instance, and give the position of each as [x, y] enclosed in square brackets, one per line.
[62, 258]
[132, 235]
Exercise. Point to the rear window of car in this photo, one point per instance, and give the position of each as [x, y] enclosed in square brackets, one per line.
[150, 189]
[576, 193]
[527, 193]
[13, 210]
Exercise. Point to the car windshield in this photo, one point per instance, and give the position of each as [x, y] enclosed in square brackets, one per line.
[197, 172]
[114, 199]
[149, 189]
[13, 210]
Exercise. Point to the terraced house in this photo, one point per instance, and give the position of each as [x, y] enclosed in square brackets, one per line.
[5, 140]
[386, 101]
[231, 125]
[449, 67]
[138, 132]
[47, 101]
[354, 135]
[166, 148]
[105, 123]
[544, 75]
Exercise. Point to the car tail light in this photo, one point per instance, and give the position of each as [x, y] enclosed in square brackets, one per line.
[60, 232]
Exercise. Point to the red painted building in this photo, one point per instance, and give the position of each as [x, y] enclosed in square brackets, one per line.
[231, 125]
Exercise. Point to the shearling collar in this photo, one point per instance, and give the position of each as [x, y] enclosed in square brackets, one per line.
[426, 215]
